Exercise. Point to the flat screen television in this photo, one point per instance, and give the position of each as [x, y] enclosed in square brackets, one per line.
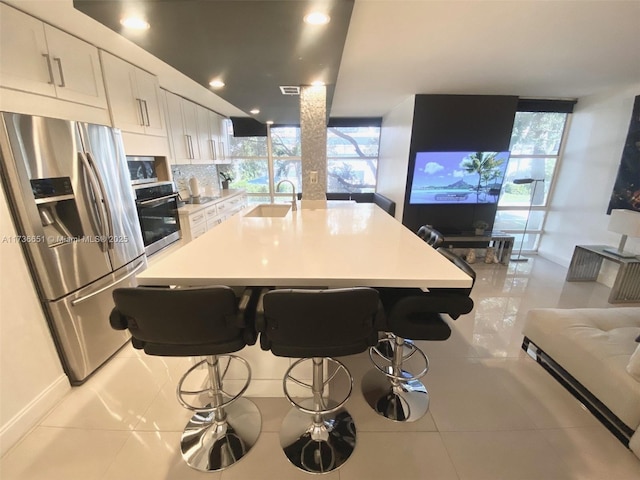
[457, 177]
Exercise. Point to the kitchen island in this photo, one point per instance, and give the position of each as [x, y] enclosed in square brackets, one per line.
[347, 244]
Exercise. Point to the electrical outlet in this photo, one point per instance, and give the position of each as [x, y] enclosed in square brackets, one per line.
[313, 177]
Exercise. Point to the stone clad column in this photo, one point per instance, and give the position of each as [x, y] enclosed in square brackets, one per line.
[313, 136]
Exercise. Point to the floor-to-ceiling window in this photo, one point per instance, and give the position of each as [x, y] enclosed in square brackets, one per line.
[257, 166]
[536, 147]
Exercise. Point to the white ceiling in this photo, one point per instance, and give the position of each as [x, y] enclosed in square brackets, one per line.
[542, 49]
[396, 48]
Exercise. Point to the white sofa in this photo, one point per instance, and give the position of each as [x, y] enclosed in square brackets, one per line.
[597, 348]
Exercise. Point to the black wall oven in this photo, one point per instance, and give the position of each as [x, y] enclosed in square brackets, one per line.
[157, 205]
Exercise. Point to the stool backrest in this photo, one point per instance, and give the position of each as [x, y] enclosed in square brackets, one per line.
[462, 265]
[183, 321]
[430, 235]
[319, 323]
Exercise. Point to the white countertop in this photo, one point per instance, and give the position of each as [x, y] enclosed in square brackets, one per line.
[190, 208]
[355, 244]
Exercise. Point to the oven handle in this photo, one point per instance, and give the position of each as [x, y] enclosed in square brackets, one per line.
[159, 199]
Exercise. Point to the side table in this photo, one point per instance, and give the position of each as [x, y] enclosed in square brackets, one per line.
[500, 241]
[585, 266]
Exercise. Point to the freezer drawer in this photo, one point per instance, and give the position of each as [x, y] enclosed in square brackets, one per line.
[80, 323]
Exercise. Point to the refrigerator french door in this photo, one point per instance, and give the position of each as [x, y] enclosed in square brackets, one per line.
[68, 188]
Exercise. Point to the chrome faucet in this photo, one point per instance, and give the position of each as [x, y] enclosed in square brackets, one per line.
[294, 198]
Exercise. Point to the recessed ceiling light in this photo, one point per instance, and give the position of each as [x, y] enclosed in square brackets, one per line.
[317, 18]
[255, 111]
[135, 23]
[317, 83]
[269, 122]
[217, 83]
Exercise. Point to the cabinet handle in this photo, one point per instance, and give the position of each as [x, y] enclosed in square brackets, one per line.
[223, 156]
[212, 148]
[186, 139]
[146, 111]
[46, 55]
[193, 156]
[59, 62]
[141, 112]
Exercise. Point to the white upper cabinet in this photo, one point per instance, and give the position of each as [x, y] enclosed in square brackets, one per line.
[134, 97]
[41, 59]
[183, 130]
[205, 139]
[219, 134]
[190, 118]
[23, 63]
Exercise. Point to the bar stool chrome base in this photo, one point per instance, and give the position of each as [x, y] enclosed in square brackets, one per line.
[397, 394]
[223, 431]
[317, 447]
[407, 401]
[208, 444]
[317, 435]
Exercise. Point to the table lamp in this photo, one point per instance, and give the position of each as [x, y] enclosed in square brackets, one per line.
[626, 222]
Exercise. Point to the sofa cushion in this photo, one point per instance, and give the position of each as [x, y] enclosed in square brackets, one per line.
[594, 345]
[633, 367]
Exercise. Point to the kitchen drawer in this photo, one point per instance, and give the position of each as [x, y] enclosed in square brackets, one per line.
[211, 212]
[197, 219]
[214, 221]
[199, 230]
[223, 207]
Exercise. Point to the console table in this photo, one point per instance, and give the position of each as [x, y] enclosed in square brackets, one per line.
[501, 242]
[585, 266]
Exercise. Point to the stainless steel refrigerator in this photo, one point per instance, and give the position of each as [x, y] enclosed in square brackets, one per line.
[71, 199]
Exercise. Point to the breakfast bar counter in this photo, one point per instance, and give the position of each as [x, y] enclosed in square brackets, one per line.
[345, 245]
[348, 244]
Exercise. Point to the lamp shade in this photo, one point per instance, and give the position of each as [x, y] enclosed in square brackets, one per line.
[626, 222]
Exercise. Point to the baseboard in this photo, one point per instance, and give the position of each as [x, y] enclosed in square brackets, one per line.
[32, 413]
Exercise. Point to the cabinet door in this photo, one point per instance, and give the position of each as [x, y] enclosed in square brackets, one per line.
[149, 92]
[126, 107]
[204, 135]
[23, 62]
[76, 69]
[178, 139]
[190, 118]
[214, 129]
[222, 144]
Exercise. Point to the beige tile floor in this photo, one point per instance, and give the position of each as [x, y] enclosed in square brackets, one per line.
[494, 414]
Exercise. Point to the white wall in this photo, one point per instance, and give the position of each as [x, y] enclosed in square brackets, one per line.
[31, 377]
[585, 180]
[393, 158]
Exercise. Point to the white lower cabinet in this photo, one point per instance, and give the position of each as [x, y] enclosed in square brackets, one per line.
[196, 223]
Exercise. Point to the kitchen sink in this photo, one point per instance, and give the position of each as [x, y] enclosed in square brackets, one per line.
[269, 210]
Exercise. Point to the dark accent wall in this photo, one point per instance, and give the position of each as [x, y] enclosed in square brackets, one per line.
[457, 123]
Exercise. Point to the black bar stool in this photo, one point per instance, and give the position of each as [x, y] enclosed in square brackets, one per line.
[318, 434]
[411, 313]
[210, 322]
[430, 235]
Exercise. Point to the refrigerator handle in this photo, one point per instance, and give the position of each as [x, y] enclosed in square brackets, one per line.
[105, 201]
[100, 290]
[95, 187]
